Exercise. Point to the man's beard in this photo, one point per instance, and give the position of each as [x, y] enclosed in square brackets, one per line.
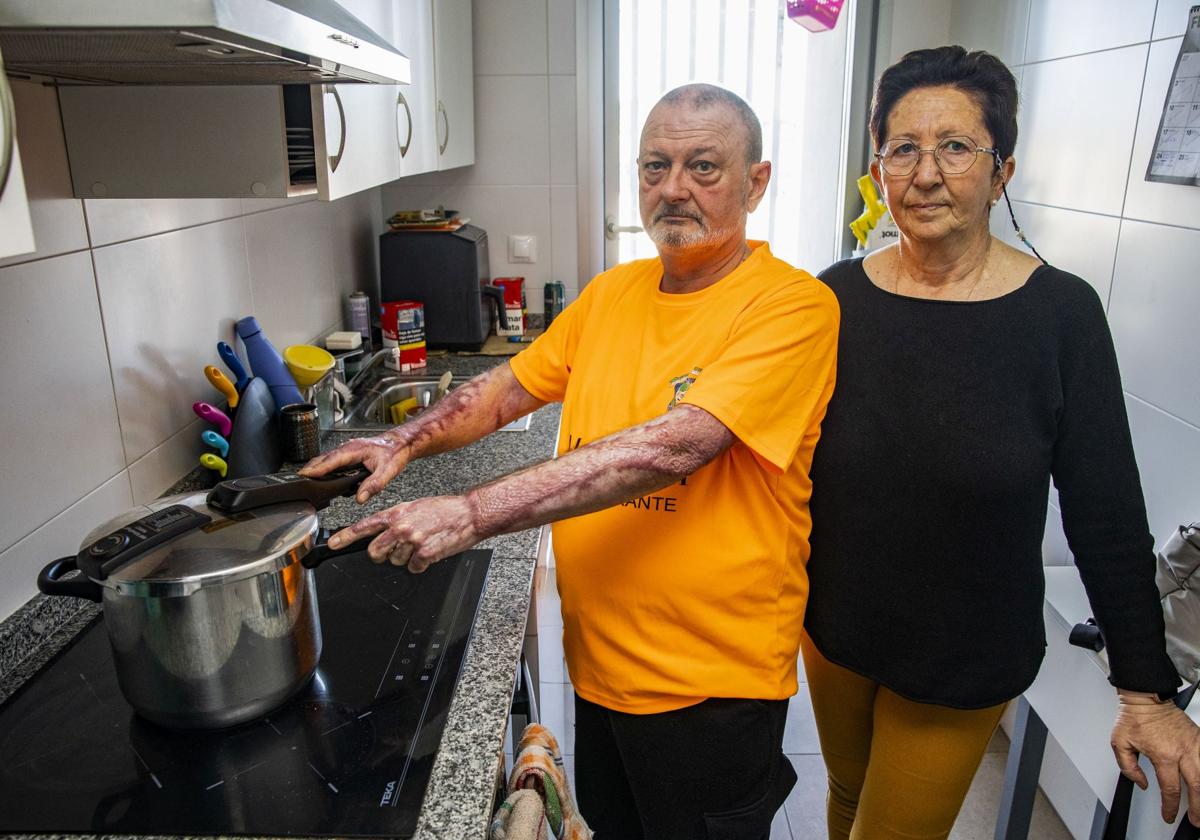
[670, 236]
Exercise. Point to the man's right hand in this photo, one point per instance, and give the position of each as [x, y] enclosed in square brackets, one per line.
[385, 456]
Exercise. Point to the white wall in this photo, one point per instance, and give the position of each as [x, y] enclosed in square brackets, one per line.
[106, 329]
[525, 179]
[1093, 77]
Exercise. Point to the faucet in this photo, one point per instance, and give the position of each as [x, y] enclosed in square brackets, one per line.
[370, 365]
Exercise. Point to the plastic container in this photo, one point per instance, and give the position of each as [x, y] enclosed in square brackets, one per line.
[267, 364]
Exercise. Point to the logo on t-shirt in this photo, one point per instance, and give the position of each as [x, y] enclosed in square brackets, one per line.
[681, 385]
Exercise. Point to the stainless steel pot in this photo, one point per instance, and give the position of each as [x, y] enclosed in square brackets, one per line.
[209, 598]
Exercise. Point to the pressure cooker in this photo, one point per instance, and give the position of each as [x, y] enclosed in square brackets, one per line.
[209, 598]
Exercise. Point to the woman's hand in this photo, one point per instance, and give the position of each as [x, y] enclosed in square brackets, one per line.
[416, 534]
[385, 456]
[1169, 738]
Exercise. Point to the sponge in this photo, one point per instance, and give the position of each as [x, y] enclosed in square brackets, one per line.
[345, 340]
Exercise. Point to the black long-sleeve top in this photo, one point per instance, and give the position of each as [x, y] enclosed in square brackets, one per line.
[930, 487]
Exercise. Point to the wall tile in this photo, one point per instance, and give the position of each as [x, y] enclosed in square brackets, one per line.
[258, 205]
[562, 130]
[1150, 200]
[355, 224]
[1081, 243]
[1168, 456]
[561, 33]
[57, 216]
[500, 211]
[1059, 28]
[118, 219]
[564, 240]
[167, 301]
[62, 535]
[165, 464]
[1170, 18]
[1086, 107]
[1153, 315]
[998, 28]
[59, 417]
[510, 37]
[291, 270]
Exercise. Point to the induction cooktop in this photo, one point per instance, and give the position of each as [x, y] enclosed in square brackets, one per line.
[349, 755]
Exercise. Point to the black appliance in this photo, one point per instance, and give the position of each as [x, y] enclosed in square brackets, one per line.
[448, 272]
[349, 755]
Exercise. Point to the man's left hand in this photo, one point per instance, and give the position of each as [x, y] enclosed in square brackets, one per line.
[1169, 738]
[415, 534]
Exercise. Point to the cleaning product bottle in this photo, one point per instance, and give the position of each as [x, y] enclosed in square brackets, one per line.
[266, 363]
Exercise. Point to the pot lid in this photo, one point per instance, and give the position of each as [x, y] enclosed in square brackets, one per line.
[179, 544]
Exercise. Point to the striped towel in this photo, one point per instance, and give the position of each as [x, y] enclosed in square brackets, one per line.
[539, 767]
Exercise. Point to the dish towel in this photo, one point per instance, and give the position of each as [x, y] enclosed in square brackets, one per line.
[521, 817]
[539, 767]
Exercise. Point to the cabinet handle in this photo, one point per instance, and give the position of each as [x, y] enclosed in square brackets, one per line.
[400, 100]
[334, 160]
[446, 118]
[8, 128]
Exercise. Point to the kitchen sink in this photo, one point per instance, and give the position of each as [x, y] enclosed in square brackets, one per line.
[369, 407]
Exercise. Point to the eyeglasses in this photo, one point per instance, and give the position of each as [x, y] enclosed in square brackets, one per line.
[954, 155]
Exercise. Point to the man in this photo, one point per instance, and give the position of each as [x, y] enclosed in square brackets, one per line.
[693, 386]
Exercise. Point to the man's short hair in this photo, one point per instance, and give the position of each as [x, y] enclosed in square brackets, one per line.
[700, 95]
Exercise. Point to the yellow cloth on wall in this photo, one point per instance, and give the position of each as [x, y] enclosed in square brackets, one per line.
[697, 590]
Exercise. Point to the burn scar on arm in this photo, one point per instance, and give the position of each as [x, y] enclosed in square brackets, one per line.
[624, 465]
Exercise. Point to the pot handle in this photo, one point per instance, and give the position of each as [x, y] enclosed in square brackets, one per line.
[50, 581]
[321, 551]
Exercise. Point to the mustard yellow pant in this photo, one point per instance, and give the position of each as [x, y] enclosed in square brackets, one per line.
[898, 769]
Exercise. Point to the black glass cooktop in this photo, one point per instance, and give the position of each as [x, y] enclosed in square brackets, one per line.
[350, 755]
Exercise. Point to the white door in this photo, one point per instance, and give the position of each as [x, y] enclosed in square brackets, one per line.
[355, 124]
[453, 44]
[793, 79]
[416, 103]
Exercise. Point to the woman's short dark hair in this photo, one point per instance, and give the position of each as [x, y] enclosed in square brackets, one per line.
[978, 74]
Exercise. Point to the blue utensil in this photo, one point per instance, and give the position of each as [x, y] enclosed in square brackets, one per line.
[215, 441]
[230, 357]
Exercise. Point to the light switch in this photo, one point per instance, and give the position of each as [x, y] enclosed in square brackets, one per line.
[522, 248]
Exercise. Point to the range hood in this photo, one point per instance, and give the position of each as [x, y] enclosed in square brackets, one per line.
[190, 42]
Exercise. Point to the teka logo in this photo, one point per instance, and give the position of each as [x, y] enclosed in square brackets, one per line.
[388, 793]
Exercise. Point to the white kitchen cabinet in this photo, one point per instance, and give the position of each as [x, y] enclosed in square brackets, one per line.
[416, 112]
[16, 228]
[355, 124]
[455, 81]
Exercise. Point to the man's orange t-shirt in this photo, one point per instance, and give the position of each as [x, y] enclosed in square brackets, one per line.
[696, 590]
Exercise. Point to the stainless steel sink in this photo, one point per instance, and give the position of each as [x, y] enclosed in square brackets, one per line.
[369, 407]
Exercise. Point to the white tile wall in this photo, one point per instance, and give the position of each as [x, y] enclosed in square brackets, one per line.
[1084, 244]
[998, 28]
[58, 392]
[1170, 17]
[167, 301]
[1168, 454]
[1156, 295]
[510, 37]
[106, 346]
[1059, 28]
[1077, 128]
[61, 536]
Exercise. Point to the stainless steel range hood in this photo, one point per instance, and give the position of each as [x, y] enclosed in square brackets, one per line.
[189, 42]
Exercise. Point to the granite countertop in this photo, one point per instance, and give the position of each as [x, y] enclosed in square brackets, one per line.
[458, 800]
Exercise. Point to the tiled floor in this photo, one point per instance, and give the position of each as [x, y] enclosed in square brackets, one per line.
[803, 814]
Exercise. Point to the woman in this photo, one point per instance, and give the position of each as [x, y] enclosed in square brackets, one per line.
[969, 375]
